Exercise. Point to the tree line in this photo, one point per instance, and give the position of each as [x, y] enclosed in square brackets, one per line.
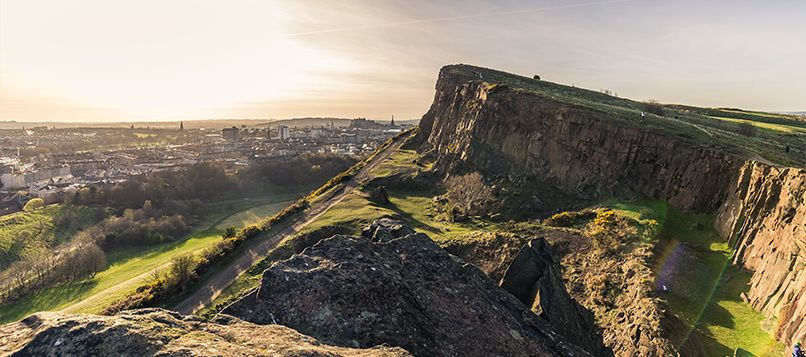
[156, 208]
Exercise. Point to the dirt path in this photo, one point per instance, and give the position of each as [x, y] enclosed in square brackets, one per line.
[98, 297]
[264, 243]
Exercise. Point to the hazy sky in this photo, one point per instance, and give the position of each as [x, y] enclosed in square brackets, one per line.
[82, 60]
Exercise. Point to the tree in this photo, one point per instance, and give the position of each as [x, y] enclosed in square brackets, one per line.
[33, 204]
[469, 194]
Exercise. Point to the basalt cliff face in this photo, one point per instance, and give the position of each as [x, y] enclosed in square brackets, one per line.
[512, 135]
[500, 131]
[765, 220]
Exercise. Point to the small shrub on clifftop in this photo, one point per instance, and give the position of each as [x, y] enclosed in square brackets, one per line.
[654, 107]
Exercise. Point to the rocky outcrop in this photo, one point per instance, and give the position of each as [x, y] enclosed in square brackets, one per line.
[477, 122]
[764, 218]
[533, 277]
[504, 132]
[400, 291]
[152, 332]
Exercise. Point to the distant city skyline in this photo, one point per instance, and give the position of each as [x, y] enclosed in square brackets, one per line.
[94, 60]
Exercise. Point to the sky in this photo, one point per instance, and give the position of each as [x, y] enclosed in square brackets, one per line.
[115, 60]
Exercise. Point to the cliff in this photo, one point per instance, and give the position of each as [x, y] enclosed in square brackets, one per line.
[764, 218]
[538, 134]
[500, 130]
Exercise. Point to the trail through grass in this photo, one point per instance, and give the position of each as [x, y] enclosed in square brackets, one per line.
[129, 267]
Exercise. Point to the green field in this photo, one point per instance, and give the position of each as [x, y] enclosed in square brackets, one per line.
[705, 295]
[24, 234]
[129, 268]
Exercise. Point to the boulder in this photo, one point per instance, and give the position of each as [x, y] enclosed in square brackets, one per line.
[379, 195]
[149, 332]
[386, 229]
[533, 277]
[404, 291]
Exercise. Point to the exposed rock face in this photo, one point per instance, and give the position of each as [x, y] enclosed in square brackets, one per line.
[765, 220]
[150, 332]
[403, 292]
[508, 133]
[498, 131]
[386, 229]
[534, 278]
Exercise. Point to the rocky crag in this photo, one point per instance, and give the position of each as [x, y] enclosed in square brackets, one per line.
[155, 332]
[398, 288]
[533, 277]
[479, 123]
[765, 220]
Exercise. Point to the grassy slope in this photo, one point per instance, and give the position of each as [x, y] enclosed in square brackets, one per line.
[724, 324]
[127, 268]
[708, 304]
[697, 125]
[24, 234]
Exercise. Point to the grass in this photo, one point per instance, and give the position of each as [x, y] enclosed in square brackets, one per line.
[400, 161]
[24, 234]
[705, 293]
[128, 268]
[780, 128]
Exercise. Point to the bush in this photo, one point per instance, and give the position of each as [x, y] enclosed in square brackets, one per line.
[469, 194]
[567, 219]
[34, 203]
[654, 107]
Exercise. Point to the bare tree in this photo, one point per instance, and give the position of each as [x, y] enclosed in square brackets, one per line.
[469, 194]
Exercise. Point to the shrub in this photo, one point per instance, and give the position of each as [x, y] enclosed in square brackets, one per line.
[654, 107]
[33, 204]
[567, 219]
[469, 194]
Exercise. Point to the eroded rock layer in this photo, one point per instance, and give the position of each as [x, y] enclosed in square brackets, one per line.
[765, 220]
[515, 135]
[403, 292]
[156, 332]
[500, 131]
[533, 277]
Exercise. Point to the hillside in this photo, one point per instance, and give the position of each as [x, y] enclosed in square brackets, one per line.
[519, 206]
[26, 234]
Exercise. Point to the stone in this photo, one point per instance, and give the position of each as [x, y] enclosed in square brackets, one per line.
[149, 332]
[533, 277]
[404, 292]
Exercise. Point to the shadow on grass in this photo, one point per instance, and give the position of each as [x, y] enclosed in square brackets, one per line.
[45, 300]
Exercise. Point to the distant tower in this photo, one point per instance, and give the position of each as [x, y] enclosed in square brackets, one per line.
[332, 125]
[181, 126]
[393, 120]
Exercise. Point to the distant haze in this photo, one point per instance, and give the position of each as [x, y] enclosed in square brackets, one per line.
[97, 60]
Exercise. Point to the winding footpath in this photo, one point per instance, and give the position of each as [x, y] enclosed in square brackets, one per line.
[262, 244]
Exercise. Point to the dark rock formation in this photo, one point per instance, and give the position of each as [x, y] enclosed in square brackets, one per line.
[534, 278]
[521, 136]
[403, 292]
[765, 221]
[379, 195]
[504, 132]
[150, 332]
